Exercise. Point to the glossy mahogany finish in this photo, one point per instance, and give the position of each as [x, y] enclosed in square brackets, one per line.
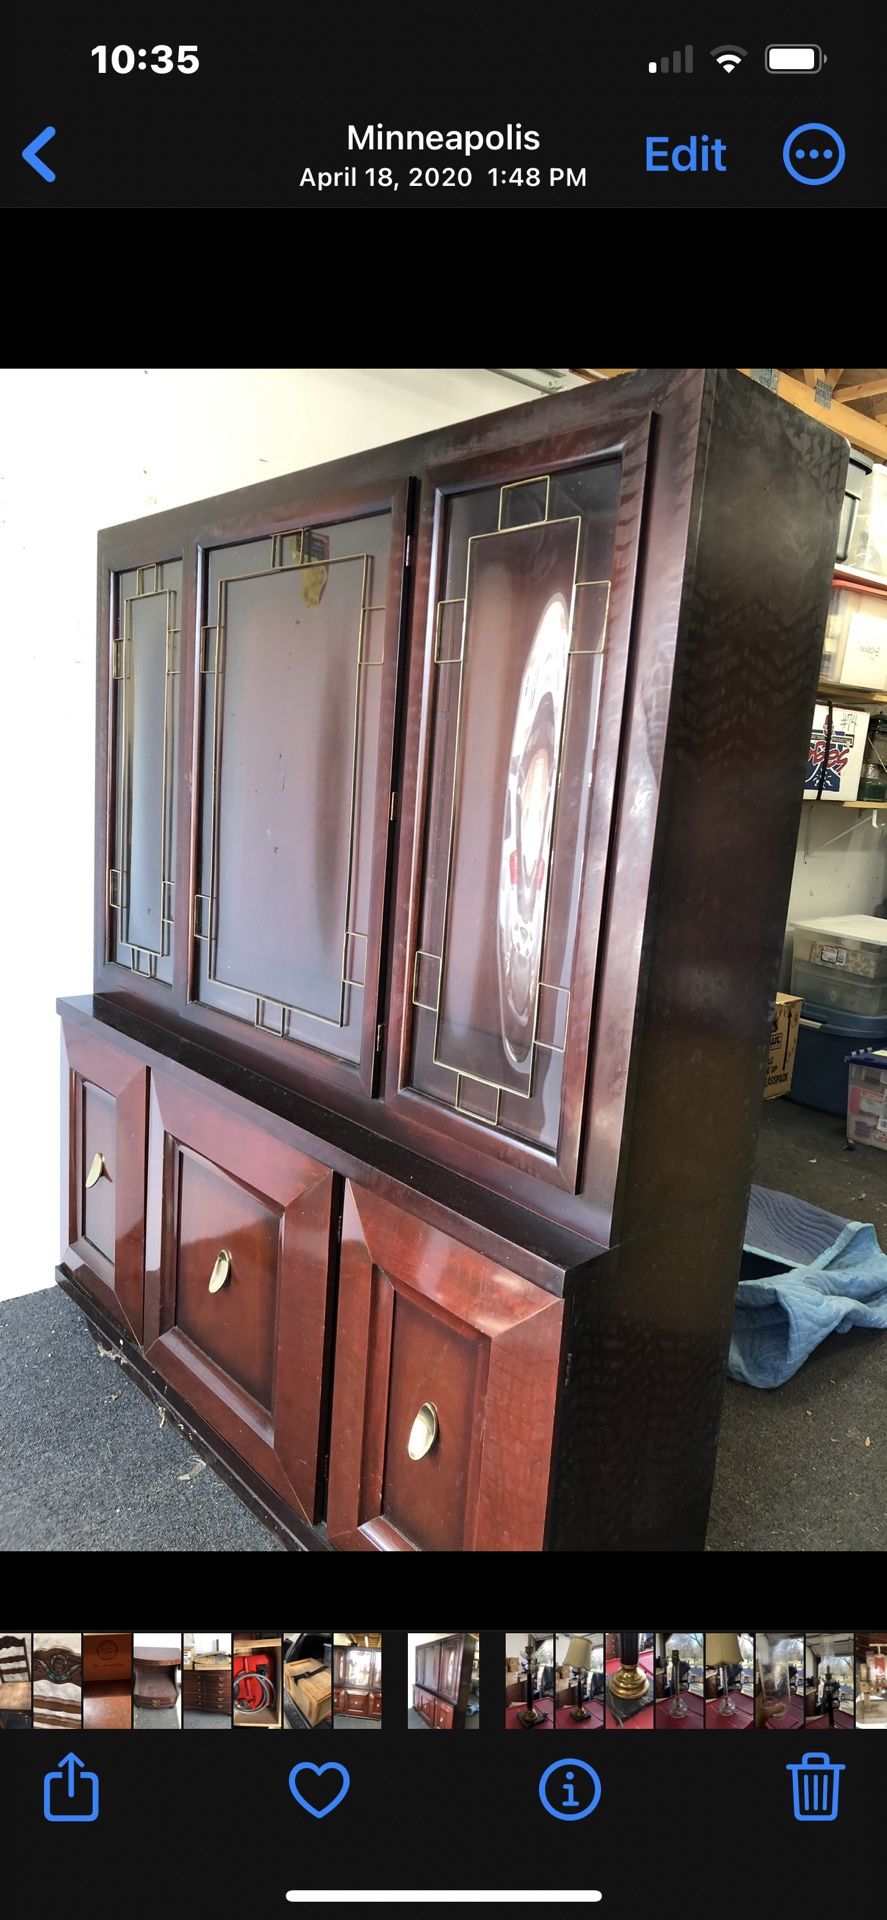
[357, 1682]
[443, 1681]
[423, 1320]
[582, 1224]
[251, 1357]
[324, 501]
[104, 1112]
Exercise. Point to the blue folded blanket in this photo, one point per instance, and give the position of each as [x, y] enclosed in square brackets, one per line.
[780, 1318]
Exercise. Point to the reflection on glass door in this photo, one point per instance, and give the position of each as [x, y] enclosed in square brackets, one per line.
[291, 660]
[519, 639]
[145, 664]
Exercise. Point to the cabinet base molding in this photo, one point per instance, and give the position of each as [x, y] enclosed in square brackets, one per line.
[261, 1500]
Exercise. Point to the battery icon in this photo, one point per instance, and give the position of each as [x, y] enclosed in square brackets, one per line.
[781, 59]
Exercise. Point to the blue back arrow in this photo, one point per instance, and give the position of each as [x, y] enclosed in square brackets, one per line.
[30, 153]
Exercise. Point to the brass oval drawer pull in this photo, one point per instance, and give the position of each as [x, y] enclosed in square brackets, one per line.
[221, 1271]
[423, 1432]
[95, 1171]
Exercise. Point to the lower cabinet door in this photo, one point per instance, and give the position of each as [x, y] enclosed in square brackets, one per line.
[357, 1704]
[443, 1714]
[444, 1395]
[238, 1249]
[104, 1118]
[375, 1706]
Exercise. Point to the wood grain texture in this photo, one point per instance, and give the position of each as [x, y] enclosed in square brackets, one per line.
[458, 1241]
[265, 1334]
[107, 1705]
[423, 1318]
[104, 1110]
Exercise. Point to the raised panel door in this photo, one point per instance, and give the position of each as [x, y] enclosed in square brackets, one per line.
[444, 1714]
[104, 1118]
[443, 1401]
[238, 1262]
[516, 692]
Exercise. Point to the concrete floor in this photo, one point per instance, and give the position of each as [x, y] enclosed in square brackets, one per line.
[88, 1466]
[794, 1473]
[416, 1723]
[207, 1722]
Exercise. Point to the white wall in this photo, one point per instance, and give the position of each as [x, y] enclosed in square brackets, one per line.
[415, 1640]
[81, 450]
[847, 876]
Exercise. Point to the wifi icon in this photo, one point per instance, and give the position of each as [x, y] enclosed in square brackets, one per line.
[729, 58]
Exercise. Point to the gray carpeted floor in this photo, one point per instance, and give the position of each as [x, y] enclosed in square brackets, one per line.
[352, 1723]
[794, 1472]
[155, 1720]
[208, 1722]
[87, 1464]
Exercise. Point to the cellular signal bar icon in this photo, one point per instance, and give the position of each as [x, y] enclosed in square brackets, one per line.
[676, 62]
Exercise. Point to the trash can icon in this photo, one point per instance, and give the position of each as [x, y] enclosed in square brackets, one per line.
[815, 1785]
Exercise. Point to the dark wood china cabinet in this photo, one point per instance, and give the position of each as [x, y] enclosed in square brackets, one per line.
[446, 800]
[443, 1681]
[357, 1682]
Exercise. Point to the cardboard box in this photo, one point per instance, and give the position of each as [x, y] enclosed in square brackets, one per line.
[312, 1692]
[783, 1041]
[846, 752]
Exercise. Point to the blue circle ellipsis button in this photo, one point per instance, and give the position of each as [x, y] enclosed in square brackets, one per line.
[558, 1794]
[801, 161]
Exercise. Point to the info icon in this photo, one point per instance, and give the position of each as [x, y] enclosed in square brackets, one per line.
[569, 1789]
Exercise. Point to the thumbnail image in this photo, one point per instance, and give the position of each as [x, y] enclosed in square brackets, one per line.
[579, 1662]
[729, 1682]
[871, 1680]
[529, 1682]
[357, 1681]
[15, 1681]
[779, 1681]
[308, 1682]
[57, 1679]
[257, 1687]
[107, 1681]
[828, 1696]
[679, 1677]
[443, 1682]
[629, 1680]
[157, 1688]
[206, 1681]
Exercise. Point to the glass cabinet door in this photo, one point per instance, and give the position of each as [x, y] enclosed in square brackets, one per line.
[144, 709]
[527, 630]
[297, 669]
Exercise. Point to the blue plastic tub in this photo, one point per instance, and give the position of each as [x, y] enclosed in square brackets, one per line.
[821, 1071]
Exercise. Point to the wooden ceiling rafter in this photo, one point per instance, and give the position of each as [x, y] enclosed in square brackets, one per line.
[845, 415]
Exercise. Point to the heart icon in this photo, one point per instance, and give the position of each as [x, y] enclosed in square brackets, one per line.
[330, 1766]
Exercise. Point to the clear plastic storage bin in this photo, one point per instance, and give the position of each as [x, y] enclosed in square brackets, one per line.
[867, 528]
[867, 1100]
[842, 963]
[854, 651]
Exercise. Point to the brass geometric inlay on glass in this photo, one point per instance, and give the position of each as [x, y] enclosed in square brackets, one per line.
[492, 1009]
[309, 879]
[144, 662]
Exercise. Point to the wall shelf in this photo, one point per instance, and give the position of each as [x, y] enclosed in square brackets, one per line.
[849, 696]
[865, 805]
